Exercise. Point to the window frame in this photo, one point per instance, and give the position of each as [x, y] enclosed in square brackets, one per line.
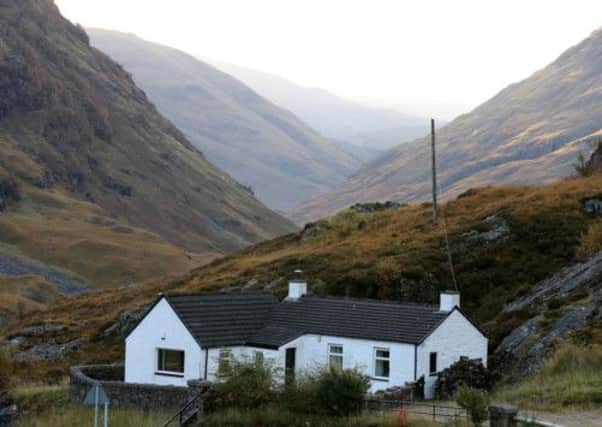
[433, 372]
[376, 359]
[160, 362]
[338, 355]
[221, 370]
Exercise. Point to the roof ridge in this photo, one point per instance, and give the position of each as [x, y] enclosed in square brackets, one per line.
[219, 293]
[368, 300]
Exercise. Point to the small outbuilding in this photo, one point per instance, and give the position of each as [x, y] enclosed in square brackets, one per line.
[187, 337]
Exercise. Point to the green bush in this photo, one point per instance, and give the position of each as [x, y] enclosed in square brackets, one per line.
[247, 385]
[341, 392]
[476, 402]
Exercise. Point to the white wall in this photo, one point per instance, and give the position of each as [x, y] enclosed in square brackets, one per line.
[312, 354]
[454, 338]
[239, 353]
[161, 328]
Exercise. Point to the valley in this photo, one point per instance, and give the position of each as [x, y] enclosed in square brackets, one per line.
[529, 133]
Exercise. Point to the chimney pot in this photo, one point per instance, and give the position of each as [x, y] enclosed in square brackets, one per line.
[297, 286]
[448, 300]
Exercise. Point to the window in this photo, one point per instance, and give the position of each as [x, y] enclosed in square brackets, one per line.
[335, 356]
[433, 363]
[382, 362]
[170, 361]
[225, 362]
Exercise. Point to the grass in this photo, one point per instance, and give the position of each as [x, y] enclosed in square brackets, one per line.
[273, 417]
[571, 379]
[77, 416]
[48, 406]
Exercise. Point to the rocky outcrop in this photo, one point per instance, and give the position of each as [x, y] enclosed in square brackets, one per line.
[126, 322]
[497, 231]
[582, 275]
[48, 351]
[375, 207]
[9, 193]
[564, 303]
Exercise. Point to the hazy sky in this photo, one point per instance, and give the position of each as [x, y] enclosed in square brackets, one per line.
[449, 55]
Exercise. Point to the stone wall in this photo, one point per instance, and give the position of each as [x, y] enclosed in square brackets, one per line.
[128, 395]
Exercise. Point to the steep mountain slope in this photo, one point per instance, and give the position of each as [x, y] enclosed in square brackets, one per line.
[504, 242]
[332, 116]
[262, 146]
[529, 133]
[95, 139]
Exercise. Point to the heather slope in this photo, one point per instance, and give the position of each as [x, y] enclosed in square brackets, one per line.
[94, 135]
[529, 133]
[263, 146]
[504, 242]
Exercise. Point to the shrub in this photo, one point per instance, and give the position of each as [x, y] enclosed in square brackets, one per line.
[6, 367]
[247, 385]
[341, 392]
[465, 372]
[476, 402]
[590, 242]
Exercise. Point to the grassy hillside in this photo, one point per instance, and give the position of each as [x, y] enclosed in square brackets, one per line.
[94, 135]
[529, 133]
[261, 145]
[503, 241]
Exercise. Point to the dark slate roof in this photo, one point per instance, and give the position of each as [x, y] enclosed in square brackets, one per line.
[223, 319]
[256, 318]
[351, 318]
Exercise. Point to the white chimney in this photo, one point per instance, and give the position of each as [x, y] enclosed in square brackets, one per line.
[448, 300]
[297, 287]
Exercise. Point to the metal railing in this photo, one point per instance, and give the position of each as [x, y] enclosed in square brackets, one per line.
[192, 409]
[434, 411]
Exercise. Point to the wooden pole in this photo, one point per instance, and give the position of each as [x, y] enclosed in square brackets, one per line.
[434, 166]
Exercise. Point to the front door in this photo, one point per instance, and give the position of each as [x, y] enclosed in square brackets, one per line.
[289, 365]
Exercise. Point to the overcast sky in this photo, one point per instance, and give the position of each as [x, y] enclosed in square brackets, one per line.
[449, 55]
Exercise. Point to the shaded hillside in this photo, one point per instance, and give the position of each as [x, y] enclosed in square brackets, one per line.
[261, 145]
[53, 243]
[95, 137]
[504, 242]
[334, 117]
[530, 133]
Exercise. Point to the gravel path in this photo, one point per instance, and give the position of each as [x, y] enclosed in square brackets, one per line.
[570, 419]
[13, 266]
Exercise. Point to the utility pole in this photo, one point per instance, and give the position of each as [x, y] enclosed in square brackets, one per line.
[434, 163]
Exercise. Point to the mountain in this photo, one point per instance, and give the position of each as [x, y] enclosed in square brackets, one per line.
[529, 133]
[97, 189]
[264, 147]
[507, 244]
[334, 117]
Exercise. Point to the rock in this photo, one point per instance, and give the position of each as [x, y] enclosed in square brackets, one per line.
[313, 230]
[48, 351]
[251, 284]
[9, 192]
[44, 181]
[126, 322]
[499, 231]
[593, 206]
[38, 330]
[8, 414]
[580, 275]
[275, 283]
[375, 207]
[518, 336]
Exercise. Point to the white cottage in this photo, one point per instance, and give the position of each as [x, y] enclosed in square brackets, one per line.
[185, 337]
